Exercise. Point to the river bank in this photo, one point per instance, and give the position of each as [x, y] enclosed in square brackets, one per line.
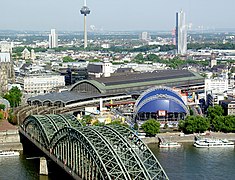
[9, 137]
[10, 140]
[179, 137]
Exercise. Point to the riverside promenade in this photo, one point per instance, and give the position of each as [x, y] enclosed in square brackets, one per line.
[9, 137]
[180, 137]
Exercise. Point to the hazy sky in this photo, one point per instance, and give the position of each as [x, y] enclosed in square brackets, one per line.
[114, 14]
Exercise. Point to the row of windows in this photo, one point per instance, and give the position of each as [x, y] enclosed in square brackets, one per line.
[47, 85]
[49, 82]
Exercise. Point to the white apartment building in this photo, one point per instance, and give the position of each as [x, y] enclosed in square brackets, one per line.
[216, 86]
[42, 84]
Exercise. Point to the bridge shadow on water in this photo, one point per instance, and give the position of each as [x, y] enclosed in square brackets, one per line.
[32, 153]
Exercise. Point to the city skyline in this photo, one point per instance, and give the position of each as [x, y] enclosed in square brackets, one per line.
[118, 15]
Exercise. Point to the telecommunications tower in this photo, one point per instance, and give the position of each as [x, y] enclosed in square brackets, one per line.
[85, 11]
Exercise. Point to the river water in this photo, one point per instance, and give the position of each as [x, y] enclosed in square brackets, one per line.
[186, 162]
[22, 168]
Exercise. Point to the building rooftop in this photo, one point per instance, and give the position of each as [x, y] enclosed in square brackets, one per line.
[65, 97]
[148, 78]
[126, 83]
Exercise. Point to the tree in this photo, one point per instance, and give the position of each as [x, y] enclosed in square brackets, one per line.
[153, 58]
[139, 57]
[229, 124]
[97, 123]
[2, 106]
[68, 59]
[87, 119]
[118, 122]
[217, 123]
[214, 111]
[1, 115]
[95, 60]
[12, 118]
[151, 127]
[136, 126]
[14, 96]
[194, 124]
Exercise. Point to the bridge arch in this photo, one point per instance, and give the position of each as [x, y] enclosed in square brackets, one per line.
[78, 143]
[37, 129]
[149, 160]
[92, 152]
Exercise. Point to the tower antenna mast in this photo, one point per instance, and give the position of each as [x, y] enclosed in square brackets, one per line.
[85, 11]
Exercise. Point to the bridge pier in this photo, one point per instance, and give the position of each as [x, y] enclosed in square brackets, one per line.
[43, 166]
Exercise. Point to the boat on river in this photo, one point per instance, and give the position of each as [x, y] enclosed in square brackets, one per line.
[168, 144]
[9, 153]
[212, 143]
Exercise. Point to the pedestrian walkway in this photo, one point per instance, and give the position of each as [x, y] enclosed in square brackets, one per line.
[5, 125]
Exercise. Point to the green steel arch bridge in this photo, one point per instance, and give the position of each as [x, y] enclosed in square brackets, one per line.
[92, 152]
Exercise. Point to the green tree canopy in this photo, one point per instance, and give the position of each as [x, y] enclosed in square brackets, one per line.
[223, 123]
[217, 123]
[2, 106]
[118, 122]
[151, 127]
[1, 116]
[68, 59]
[95, 60]
[87, 119]
[229, 124]
[139, 57]
[14, 96]
[153, 57]
[194, 124]
[97, 123]
[214, 111]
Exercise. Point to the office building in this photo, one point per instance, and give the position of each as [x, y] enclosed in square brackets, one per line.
[145, 36]
[219, 85]
[41, 84]
[181, 33]
[53, 39]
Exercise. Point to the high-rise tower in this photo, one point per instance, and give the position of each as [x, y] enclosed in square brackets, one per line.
[85, 11]
[181, 33]
[53, 39]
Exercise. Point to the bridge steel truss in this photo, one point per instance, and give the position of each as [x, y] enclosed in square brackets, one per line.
[93, 152]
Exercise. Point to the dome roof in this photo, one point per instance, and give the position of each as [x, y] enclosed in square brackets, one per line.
[160, 99]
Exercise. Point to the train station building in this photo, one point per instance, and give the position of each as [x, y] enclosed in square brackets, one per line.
[122, 85]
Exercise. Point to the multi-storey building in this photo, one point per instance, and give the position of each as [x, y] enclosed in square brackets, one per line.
[53, 39]
[181, 33]
[43, 83]
[218, 85]
[145, 36]
[228, 106]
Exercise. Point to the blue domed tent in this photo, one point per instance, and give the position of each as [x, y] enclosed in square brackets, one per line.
[160, 102]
